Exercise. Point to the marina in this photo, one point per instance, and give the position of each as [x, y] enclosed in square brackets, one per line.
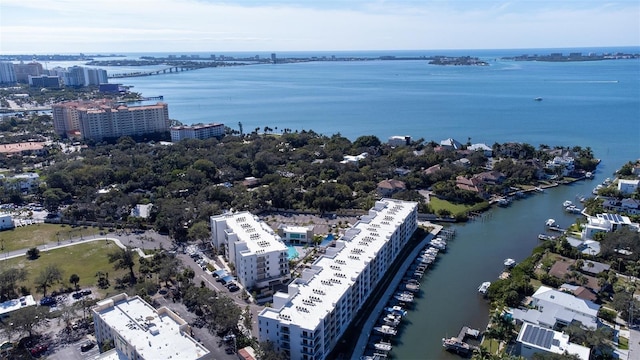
[389, 320]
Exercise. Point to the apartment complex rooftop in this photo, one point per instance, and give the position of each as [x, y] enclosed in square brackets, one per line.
[544, 340]
[259, 237]
[315, 294]
[154, 334]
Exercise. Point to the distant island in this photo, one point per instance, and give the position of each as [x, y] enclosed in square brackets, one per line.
[459, 60]
[575, 56]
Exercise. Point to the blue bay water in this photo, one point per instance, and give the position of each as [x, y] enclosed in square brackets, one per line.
[594, 104]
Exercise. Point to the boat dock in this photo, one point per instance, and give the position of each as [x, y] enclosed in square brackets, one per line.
[459, 344]
[385, 319]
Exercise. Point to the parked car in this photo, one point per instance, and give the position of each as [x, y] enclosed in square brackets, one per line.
[38, 349]
[48, 301]
[87, 346]
[86, 292]
[233, 287]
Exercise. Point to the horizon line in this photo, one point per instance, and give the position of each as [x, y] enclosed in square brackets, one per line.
[6, 53]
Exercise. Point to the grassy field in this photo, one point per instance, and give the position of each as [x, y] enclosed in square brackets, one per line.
[437, 204]
[39, 234]
[85, 260]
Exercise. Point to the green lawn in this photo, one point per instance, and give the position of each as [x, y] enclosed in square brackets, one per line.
[39, 234]
[85, 260]
[437, 204]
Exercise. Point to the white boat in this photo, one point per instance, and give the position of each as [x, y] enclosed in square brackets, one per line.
[551, 223]
[386, 330]
[596, 189]
[392, 318]
[539, 189]
[509, 262]
[589, 175]
[573, 209]
[546, 237]
[484, 287]
[383, 346]
[396, 310]
[404, 297]
[567, 203]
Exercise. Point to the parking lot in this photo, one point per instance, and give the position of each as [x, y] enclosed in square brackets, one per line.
[73, 352]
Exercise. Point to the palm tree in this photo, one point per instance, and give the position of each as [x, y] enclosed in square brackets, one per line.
[124, 259]
[481, 353]
[74, 279]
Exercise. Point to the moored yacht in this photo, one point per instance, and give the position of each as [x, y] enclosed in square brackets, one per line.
[484, 287]
[509, 263]
[386, 329]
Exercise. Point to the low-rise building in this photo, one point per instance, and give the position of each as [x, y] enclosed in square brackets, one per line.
[554, 309]
[139, 331]
[204, 131]
[397, 140]
[391, 186]
[6, 221]
[258, 253]
[308, 320]
[626, 186]
[604, 223]
[15, 304]
[296, 235]
[142, 211]
[626, 206]
[535, 339]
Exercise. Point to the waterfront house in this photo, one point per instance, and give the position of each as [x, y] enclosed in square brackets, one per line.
[594, 267]
[626, 186]
[554, 309]
[626, 206]
[491, 177]
[486, 150]
[469, 184]
[534, 339]
[605, 222]
[399, 140]
[451, 144]
[579, 292]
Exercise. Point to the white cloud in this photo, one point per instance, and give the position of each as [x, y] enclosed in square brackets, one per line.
[190, 25]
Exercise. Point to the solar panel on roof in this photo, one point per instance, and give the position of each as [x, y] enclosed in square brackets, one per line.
[538, 336]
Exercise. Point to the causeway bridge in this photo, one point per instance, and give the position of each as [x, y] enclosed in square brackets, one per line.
[169, 70]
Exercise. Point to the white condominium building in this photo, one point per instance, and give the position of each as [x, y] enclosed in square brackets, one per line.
[196, 132]
[257, 252]
[139, 331]
[308, 320]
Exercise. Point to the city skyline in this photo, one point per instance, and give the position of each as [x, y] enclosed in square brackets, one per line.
[70, 26]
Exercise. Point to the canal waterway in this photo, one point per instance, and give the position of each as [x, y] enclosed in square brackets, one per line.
[450, 296]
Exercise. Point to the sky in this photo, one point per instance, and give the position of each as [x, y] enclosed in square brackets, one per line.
[134, 26]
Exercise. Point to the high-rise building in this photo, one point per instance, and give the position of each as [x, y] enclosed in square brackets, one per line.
[139, 331]
[308, 320]
[258, 253]
[99, 119]
[7, 73]
[44, 81]
[23, 71]
[84, 76]
[196, 132]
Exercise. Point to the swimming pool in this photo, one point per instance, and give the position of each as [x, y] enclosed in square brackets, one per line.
[293, 253]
